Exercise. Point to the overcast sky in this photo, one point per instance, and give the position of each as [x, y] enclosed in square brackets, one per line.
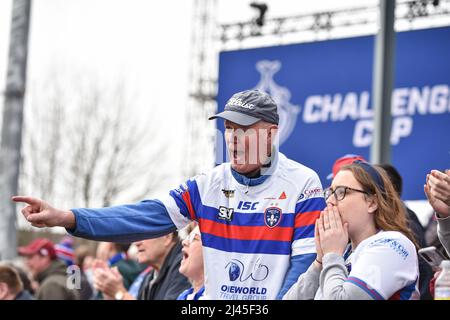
[147, 43]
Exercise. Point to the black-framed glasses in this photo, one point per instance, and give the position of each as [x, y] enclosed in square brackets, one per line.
[339, 192]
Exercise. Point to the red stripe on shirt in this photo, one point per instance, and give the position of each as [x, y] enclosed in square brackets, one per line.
[395, 296]
[306, 218]
[187, 200]
[246, 232]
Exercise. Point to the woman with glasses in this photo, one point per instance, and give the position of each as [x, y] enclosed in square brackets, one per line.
[364, 248]
[192, 265]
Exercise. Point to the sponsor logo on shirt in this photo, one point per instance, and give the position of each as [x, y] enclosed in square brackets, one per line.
[238, 272]
[225, 213]
[310, 193]
[392, 243]
[247, 205]
[228, 193]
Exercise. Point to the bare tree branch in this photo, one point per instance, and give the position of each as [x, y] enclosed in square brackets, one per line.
[83, 147]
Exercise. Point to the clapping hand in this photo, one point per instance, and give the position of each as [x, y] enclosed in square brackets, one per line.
[437, 190]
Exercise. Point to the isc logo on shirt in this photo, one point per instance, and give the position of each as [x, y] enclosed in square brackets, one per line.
[225, 213]
[247, 205]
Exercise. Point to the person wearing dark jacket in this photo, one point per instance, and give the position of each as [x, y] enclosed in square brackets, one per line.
[168, 282]
[164, 282]
[49, 272]
[425, 271]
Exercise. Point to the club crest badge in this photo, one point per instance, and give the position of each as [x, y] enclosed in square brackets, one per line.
[272, 216]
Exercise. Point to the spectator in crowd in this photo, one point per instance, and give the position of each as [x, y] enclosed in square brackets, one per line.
[114, 258]
[163, 282]
[83, 258]
[260, 188]
[437, 190]
[11, 287]
[48, 271]
[425, 271]
[342, 161]
[137, 283]
[24, 275]
[380, 262]
[128, 268]
[431, 234]
[413, 222]
[64, 250]
[103, 252]
[192, 265]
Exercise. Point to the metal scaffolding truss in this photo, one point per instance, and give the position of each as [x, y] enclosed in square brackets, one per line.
[210, 38]
[410, 15]
[198, 153]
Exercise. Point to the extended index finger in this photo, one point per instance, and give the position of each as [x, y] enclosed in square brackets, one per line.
[29, 200]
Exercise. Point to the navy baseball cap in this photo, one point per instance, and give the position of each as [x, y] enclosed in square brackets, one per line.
[248, 107]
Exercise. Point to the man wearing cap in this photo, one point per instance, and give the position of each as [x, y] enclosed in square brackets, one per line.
[256, 213]
[48, 271]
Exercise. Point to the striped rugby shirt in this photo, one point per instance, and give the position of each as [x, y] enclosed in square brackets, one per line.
[251, 234]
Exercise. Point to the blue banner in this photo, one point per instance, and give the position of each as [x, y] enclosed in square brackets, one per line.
[323, 92]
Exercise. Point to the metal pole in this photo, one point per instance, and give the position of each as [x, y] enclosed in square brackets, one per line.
[12, 125]
[383, 76]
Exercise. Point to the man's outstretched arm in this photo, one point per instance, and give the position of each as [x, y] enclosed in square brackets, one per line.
[126, 223]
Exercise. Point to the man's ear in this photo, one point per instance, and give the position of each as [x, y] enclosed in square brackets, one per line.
[169, 238]
[273, 129]
[373, 204]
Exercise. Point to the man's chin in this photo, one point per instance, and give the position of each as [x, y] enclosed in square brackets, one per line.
[239, 167]
[244, 168]
[142, 259]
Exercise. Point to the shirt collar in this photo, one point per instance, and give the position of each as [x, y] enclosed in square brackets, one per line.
[266, 173]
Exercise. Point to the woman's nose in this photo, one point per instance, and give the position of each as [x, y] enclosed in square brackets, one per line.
[331, 200]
